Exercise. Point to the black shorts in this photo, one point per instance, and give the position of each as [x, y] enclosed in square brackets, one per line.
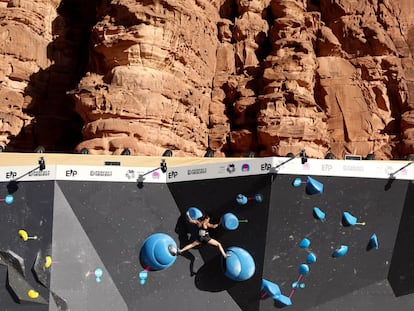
[204, 239]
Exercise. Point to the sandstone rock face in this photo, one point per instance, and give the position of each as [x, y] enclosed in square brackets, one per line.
[269, 76]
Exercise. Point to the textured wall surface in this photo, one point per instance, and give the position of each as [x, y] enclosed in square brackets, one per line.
[270, 76]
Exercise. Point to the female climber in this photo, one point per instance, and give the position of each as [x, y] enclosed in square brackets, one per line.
[203, 224]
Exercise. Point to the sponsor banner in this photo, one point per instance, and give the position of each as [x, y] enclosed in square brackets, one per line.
[227, 168]
[110, 173]
[27, 173]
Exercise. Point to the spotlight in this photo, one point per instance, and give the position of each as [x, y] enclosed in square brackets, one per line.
[410, 157]
[1, 148]
[303, 157]
[251, 154]
[167, 153]
[126, 152]
[84, 151]
[370, 156]
[290, 155]
[163, 166]
[209, 153]
[330, 156]
[42, 164]
[40, 149]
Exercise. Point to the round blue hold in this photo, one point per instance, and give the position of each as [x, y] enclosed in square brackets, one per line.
[241, 199]
[297, 182]
[303, 269]
[154, 252]
[240, 266]
[230, 221]
[311, 258]
[9, 199]
[195, 213]
[305, 243]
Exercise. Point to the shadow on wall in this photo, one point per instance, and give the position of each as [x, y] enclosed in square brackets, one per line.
[56, 125]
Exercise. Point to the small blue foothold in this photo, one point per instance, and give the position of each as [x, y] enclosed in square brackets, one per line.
[349, 219]
[311, 258]
[98, 272]
[143, 275]
[303, 269]
[373, 242]
[241, 199]
[283, 300]
[304, 243]
[341, 251]
[297, 182]
[318, 213]
[9, 199]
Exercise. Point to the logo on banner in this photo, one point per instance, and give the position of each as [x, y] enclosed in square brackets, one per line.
[231, 168]
[100, 173]
[156, 175]
[39, 173]
[130, 174]
[326, 167]
[306, 166]
[197, 171]
[353, 168]
[11, 175]
[265, 166]
[172, 174]
[71, 173]
[245, 167]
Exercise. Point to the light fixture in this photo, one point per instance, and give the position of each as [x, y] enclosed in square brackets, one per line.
[290, 155]
[370, 156]
[167, 153]
[141, 177]
[303, 156]
[40, 149]
[126, 152]
[251, 154]
[410, 157]
[1, 148]
[330, 156]
[209, 153]
[84, 151]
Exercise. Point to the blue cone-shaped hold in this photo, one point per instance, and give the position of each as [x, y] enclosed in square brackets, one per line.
[318, 213]
[241, 199]
[349, 219]
[283, 300]
[373, 242]
[303, 269]
[270, 288]
[311, 258]
[230, 221]
[340, 251]
[154, 252]
[297, 182]
[9, 199]
[240, 266]
[195, 213]
[305, 243]
[313, 186]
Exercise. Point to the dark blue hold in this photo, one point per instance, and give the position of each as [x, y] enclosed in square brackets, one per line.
[373, 242]
[240, 266]
[313, 186]
[311, 258]
[154, 252]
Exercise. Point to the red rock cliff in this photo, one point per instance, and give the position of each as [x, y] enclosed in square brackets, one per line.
[270, 76]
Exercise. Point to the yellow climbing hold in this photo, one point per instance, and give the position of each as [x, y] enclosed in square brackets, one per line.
[23, 234]
[33, 294]
[48, 262]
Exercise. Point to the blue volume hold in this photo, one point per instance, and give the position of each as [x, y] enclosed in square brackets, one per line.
[230, 221]
[272, 289]
[241, 199]
[305, 243]
[313, 186]
[240, 266]
[155, 253]
[318, 213]
[283, 300]
[340, 251]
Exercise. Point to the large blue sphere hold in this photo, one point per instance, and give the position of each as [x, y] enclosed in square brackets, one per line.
[154, 252]
[230, 221]
[240, 266]
[195, 213]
